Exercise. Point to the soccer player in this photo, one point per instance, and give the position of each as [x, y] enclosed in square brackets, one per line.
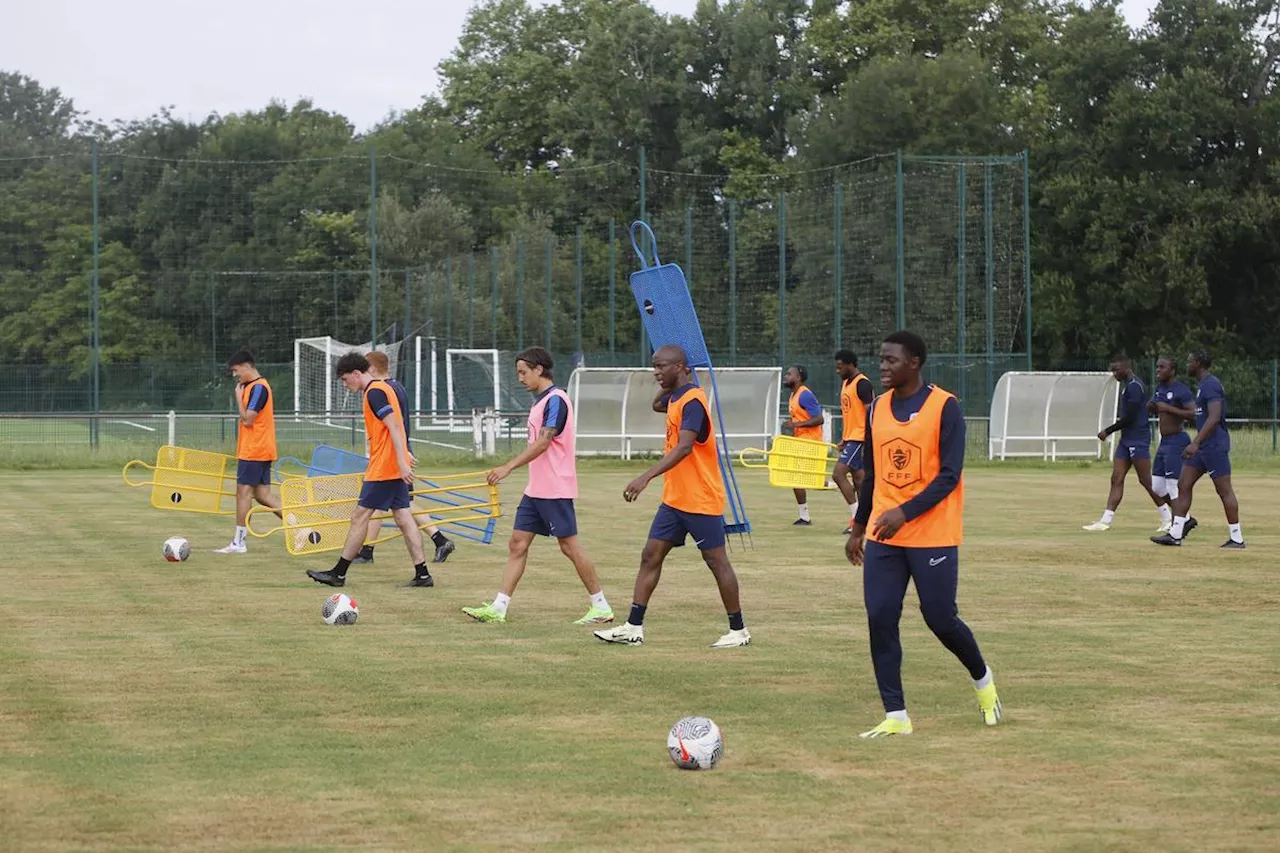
[914, 491]
[805, 421]
[1173, 405]
[855, 395]
[546, 509]
[255, 446]
[1134, 448]
[1208, 453]
[693, 500]
[387, 478]
[380, 368]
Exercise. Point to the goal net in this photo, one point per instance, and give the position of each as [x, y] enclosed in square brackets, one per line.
[1051, 415]
[317, 390]
[613, 408]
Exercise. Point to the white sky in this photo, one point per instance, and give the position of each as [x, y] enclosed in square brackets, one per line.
[127, 58]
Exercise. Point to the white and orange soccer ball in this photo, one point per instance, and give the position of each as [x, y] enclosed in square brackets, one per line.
[340, 609]
[695, 743]
[176, 549]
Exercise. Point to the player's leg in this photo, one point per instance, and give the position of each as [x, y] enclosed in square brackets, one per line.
[936, 572]
[443, 544]
[667, 531]
[370, 539]
[1230, 505]
[1142, 467]
[402, 514]
[248, 475]
[337, 576]
[848, 474]
[599, 612]
[843, 478]
[708, 533]
[1119, 469]
[1183, 523]
[529, 523]
[802, 504]
[885, 574]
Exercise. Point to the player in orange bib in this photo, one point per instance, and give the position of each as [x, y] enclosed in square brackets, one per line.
[255, 445]
[856, 394]
[388, 477]
[914, 489]
[804, 420]
[693, 500]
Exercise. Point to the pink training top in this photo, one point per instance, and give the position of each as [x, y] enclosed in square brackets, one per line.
[554, 474]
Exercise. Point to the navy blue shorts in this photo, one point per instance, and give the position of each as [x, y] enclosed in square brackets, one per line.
[547, 517]
[1133, 450]
[384, 494]
[1214, 461]
[673, 525]
[253, 473]
[1168, 463]
[851, 455]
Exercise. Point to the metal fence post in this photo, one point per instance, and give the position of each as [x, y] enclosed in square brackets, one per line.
[520, 293]
[471, 300]
[961, 295]
[989, 248]
[644, 217]
[782, 279]
[1275, 405]
[549, 262]
[838, 227]
[493, 297]
[900, 314]
[95, 346]
[733, 282]
[1026, 243]
[613, 283]
[373, 245]
[448, 301]
[577, 287]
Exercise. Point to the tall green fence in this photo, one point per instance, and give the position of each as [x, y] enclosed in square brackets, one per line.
[126, 281]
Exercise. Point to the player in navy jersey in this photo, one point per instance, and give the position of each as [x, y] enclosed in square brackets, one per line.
[1173, 405]
[1133, 450]
[1208, 453]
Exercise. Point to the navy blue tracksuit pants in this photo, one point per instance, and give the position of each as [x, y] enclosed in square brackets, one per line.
[886, 569]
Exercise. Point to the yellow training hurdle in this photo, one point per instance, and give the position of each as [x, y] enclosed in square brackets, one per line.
[189, 480]
[794, 463]
[317, 510]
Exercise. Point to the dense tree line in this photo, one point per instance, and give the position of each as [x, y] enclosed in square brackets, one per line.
[1155, 178]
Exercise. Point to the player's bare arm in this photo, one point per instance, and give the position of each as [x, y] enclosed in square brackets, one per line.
[684, 446]
[546, 435]
[1210, 427]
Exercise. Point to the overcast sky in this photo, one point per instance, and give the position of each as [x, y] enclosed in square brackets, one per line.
[127, 58]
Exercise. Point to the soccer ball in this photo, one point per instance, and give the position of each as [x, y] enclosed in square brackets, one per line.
[176, 549]
[339, 609]
[695, 743]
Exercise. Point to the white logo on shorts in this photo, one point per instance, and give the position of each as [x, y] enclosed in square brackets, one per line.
[933, 561]
[698, 542]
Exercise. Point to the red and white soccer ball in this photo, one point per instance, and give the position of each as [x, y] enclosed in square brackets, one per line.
[340, 609]
[176, 549]
[695, 743]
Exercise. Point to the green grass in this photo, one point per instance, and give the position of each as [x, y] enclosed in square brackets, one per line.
[150, 706]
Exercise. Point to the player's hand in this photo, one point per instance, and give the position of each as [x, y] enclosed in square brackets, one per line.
[1102, 436]
[889, 523]
[497, 475]
[853, 546]
[413, 460]
[1191, 450]
[634, 488]
[788, 427]
[406, 471]
[1153, 406]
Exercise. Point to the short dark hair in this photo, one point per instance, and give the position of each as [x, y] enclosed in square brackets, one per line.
[1121, 358]
[350, 363]
[1173, 364]
[1203, 356]
[241, 356]
[537, 357]
[909, 341]
[847, 356]
[800, 370]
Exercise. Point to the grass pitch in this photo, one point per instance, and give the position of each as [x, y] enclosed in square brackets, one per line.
[150, 706]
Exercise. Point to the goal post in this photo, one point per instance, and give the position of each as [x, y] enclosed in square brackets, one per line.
[613, 408]
[473, 380]
[1051, 415]
[317, 390]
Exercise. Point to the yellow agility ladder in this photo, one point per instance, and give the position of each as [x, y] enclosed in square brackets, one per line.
[189, 480]
[794, 463]
[317, 510]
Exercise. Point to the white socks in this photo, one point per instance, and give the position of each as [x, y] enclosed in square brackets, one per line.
[898, 715]
[500, 602]
[598, 600]
[1166, 514]
[1236, 535]
[1108, 516]
[983, 681]
[853, 510]
[1179, 521]
[241, 534]
[804, 512]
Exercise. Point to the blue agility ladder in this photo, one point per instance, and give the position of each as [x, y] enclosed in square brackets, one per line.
[668, 317]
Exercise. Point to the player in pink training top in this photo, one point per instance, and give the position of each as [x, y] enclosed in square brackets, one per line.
[547, 506]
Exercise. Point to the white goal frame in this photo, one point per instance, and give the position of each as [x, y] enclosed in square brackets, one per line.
[1051, 444]
[633, 438]
[494, 356]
